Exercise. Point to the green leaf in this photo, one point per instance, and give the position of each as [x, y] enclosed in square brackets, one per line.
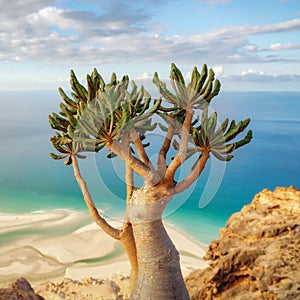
[177, 75]
[245, 140]
[68, 161]
[194, 79]
[77, 87]
[68, 100]
[201, 79]
[227, 149]
[222, 157]
[211, 125]
[57, 157]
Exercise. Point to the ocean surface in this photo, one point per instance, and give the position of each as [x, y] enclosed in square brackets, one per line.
[31, 181]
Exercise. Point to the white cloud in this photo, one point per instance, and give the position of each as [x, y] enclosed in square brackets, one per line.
[260, 76]
[290, 25]
[145, 75]
[255, 49]
[251, 48]
[63, 80]
[280, 47]
[251, 72]
[218, 70]
[40, 31]
[51, 16]
[188, 75]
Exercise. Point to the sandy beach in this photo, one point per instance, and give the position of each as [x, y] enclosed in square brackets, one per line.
[65, 244]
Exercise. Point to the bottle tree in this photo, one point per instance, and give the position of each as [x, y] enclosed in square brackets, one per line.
[118, 115]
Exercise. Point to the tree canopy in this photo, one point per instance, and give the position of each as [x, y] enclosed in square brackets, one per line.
[103, 114]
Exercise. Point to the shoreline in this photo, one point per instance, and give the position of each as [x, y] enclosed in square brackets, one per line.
[48, 246]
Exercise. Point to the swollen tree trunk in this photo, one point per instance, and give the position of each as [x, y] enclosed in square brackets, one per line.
[159, 273]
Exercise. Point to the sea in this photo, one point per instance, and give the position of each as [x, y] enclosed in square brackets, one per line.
[31, 181]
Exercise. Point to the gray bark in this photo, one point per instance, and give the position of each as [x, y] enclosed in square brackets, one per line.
[159, 273]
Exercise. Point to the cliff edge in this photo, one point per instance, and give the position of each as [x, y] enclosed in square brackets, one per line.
[257, 255]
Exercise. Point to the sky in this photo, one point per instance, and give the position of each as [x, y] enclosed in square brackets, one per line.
[251, 45]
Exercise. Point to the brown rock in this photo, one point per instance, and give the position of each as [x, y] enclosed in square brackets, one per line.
[257, 255]
[86, 289]
[21, 289]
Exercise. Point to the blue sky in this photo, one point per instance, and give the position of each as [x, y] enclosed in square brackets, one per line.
[252, 45]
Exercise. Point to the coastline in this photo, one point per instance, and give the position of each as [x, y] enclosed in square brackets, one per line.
[48, 246]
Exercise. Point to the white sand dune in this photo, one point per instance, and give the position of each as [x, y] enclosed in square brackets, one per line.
[52, 245]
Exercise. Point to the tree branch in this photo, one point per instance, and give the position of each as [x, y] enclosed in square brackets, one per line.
[129, 180]
[136, 164]
[140, 148]
[113, 232]
[128, 242]
[161, 161]
[183, 146]
[195, 173]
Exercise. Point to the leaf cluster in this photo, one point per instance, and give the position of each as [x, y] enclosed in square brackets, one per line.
[197, 94]
[219, 139]
[194, 96]
[99, 114]
[103, 112]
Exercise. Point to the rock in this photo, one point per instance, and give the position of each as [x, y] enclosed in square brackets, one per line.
[257, 255]
[21, 289]
[86, 289]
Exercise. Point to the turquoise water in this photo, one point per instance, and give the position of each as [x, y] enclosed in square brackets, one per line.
[30, 180]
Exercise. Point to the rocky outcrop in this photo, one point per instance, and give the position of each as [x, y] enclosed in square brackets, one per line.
[257, 255]
[21, 289]
[116, 287]
[86, 289]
